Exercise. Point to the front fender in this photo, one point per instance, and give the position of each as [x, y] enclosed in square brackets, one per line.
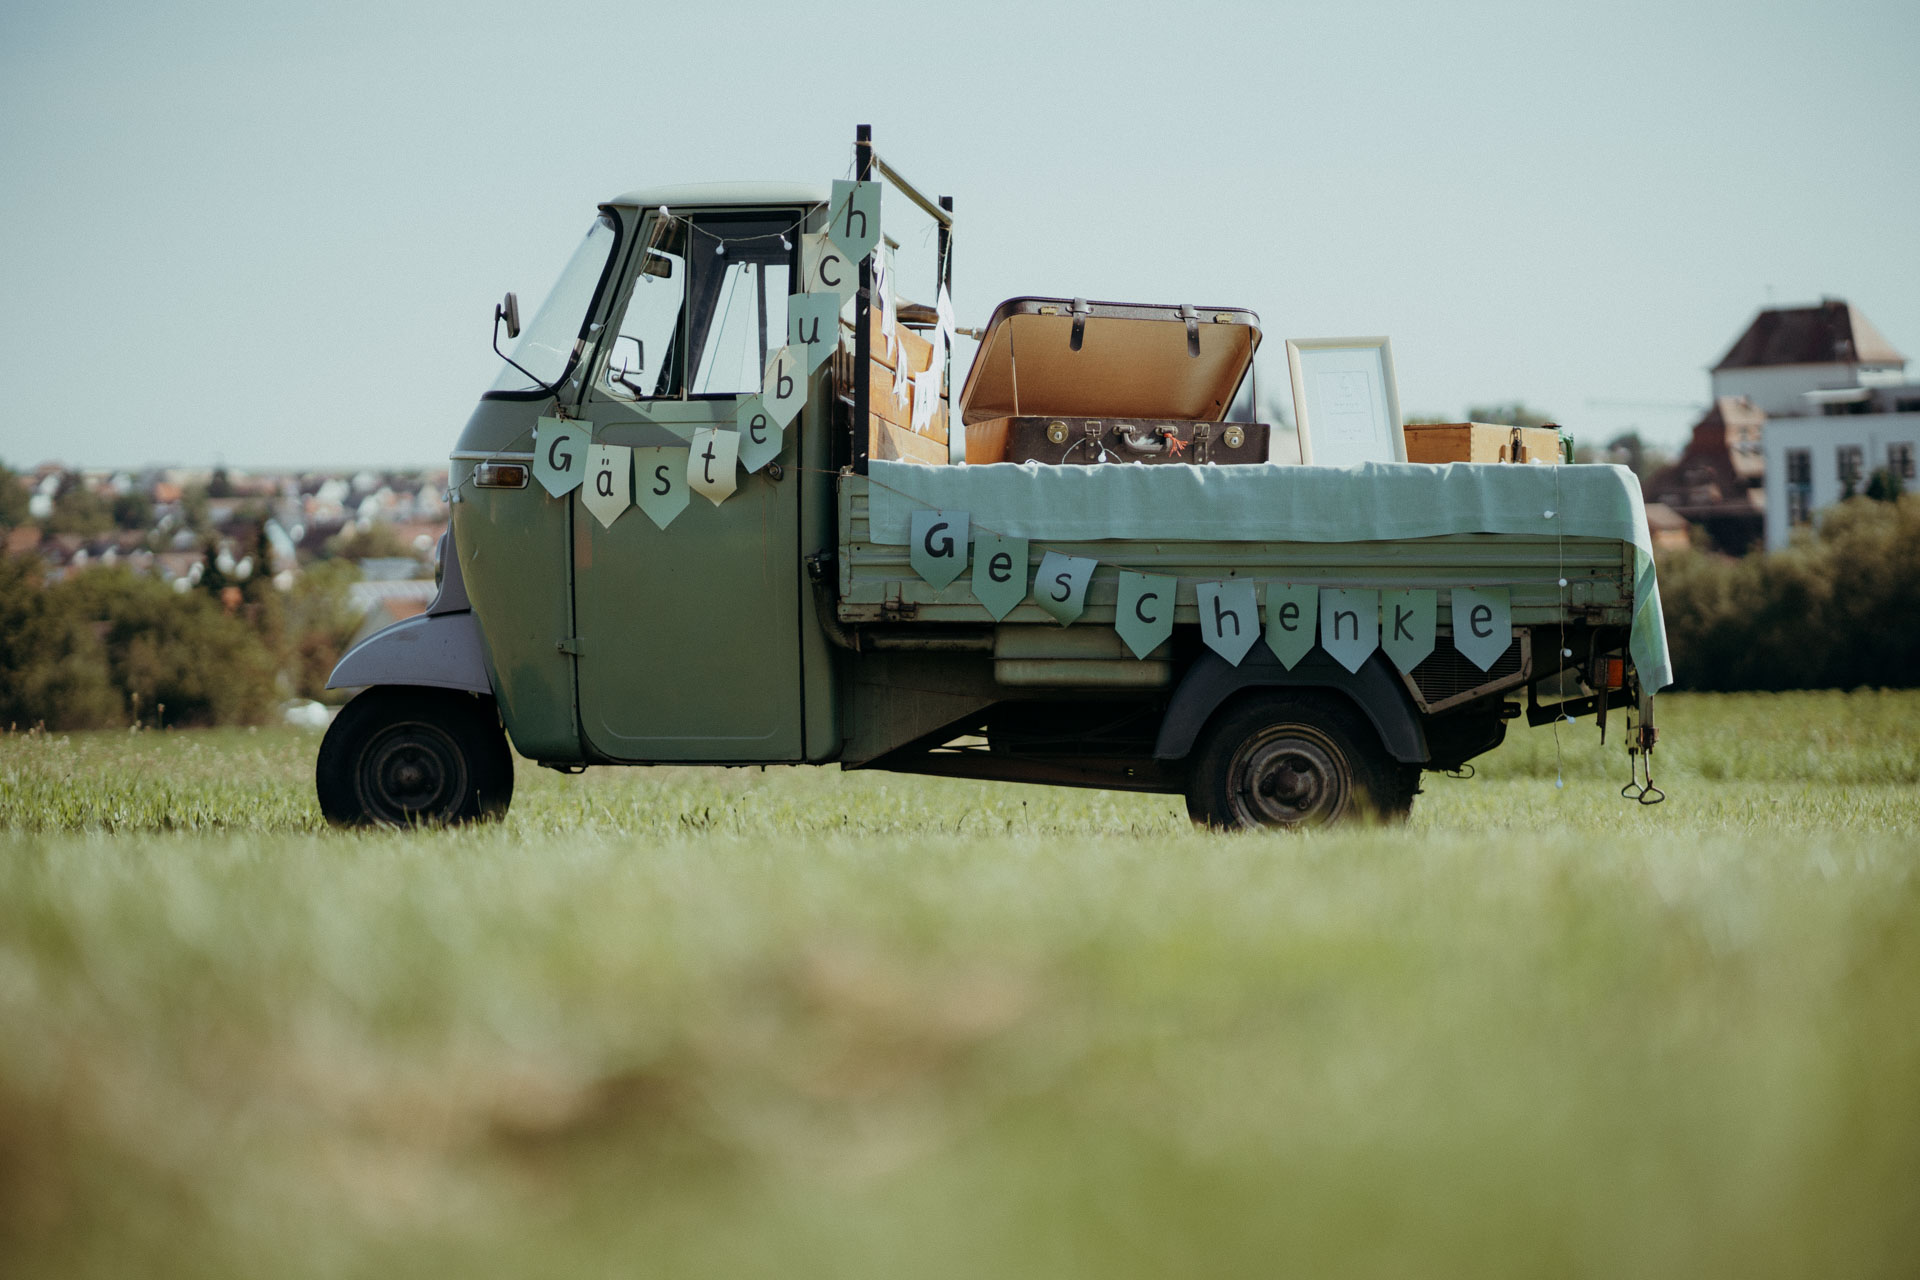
[1212, 680]
[439, 650]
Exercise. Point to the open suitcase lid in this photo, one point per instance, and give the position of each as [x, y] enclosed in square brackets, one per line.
[1080, 359]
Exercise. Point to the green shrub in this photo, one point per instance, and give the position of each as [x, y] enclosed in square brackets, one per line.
[1837, 610]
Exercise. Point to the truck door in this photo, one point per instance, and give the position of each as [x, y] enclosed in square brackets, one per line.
[689, 636]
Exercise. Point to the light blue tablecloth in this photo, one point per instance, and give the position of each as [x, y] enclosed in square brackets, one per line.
[1377, 501]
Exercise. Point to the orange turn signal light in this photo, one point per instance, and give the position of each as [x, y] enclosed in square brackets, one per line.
[1612, 674]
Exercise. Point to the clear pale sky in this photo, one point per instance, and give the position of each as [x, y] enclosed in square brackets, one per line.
[273, 234]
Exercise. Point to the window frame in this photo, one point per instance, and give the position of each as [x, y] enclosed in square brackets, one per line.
[791, 217]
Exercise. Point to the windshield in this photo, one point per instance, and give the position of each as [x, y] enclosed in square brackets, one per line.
[546, 346]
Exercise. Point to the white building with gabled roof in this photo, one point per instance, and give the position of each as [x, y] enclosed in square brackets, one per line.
[1837, 403]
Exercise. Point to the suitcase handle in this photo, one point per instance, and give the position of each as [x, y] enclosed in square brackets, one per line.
[1142, 439]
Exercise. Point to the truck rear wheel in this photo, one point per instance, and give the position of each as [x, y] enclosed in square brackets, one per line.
[1294, 759]
[401, 756]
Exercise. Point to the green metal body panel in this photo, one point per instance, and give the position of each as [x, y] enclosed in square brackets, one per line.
[513, 556]
[689, 636]
[878, 585]
[701, 642]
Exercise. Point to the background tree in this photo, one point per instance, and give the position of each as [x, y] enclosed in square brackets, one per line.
[14, 499]
[78, 509]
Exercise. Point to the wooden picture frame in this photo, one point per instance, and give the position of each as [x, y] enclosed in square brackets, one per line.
[1345, 401]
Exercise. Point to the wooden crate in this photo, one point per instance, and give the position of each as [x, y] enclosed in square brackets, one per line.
[891, 420]
[1481, 442]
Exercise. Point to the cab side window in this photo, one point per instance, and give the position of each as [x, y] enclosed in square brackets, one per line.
[707, 306]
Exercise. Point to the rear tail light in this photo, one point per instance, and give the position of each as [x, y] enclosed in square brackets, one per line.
[1610, 673]
[500, 475]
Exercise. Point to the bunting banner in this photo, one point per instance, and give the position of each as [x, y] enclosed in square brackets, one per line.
[938, 551]
[1293, 614]
[710, 466]
[1349, 625]
[662, 489]
[1229, 617]
[784, 388]
[560, 454]
[609, 485]
[853, 218]
[1143, 615]
[1482, 624]
[760, 436]
[813, 326]
[824, 269]
[999, 573]
[1407, 623]
[1061, 588]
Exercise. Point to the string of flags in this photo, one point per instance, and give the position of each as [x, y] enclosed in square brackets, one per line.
[1349, 623]
[660, 480]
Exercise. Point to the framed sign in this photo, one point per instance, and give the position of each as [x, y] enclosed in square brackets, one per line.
[1345, 401]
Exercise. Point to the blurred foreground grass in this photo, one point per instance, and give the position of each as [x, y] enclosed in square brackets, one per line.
[699, 1022]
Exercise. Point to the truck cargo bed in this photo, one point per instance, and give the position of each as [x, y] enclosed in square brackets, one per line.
[876, 583]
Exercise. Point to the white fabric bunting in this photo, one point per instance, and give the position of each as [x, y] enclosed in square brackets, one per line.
[609, 485]
[661, 482]
[1229, 617]
[560, 454]
[710, 465]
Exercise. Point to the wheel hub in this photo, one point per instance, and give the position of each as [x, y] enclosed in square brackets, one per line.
[1289, 776]
[412, 772]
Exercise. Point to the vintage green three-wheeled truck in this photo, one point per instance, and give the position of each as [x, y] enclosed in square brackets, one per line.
[1282, 644]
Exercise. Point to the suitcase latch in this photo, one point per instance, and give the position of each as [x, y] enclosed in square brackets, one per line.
[1192, 318]
[1056, 433]
[1202, 433]
[1233, 437]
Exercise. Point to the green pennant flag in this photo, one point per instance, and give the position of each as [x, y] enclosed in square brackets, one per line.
[1407, 626]
[1061, 587]
[999, 573]
[1144, 613]
[938, 550]
[1292, 621]
[661, 474]
[560, 454]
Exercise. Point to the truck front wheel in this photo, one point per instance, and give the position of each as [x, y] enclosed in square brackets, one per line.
[405, 756]
[1294, 759]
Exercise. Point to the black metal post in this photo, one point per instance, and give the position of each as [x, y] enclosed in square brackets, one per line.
[945, 271]
[862, 313]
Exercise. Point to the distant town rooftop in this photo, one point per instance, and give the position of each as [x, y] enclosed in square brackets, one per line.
[1833, 332]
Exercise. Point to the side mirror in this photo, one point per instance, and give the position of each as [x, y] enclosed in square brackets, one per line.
[657, 264]
[509, 310]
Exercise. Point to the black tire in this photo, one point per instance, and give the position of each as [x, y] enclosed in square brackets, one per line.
[401, 756]
[1294, 759]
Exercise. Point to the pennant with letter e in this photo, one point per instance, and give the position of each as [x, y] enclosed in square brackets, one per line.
[759, 435]
[999, 573]
[1293, 614]
[1482, 624]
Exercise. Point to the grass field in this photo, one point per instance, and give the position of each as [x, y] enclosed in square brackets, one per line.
[800, 1023]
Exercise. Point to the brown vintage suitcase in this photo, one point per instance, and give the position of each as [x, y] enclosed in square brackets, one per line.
[1064, 380]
